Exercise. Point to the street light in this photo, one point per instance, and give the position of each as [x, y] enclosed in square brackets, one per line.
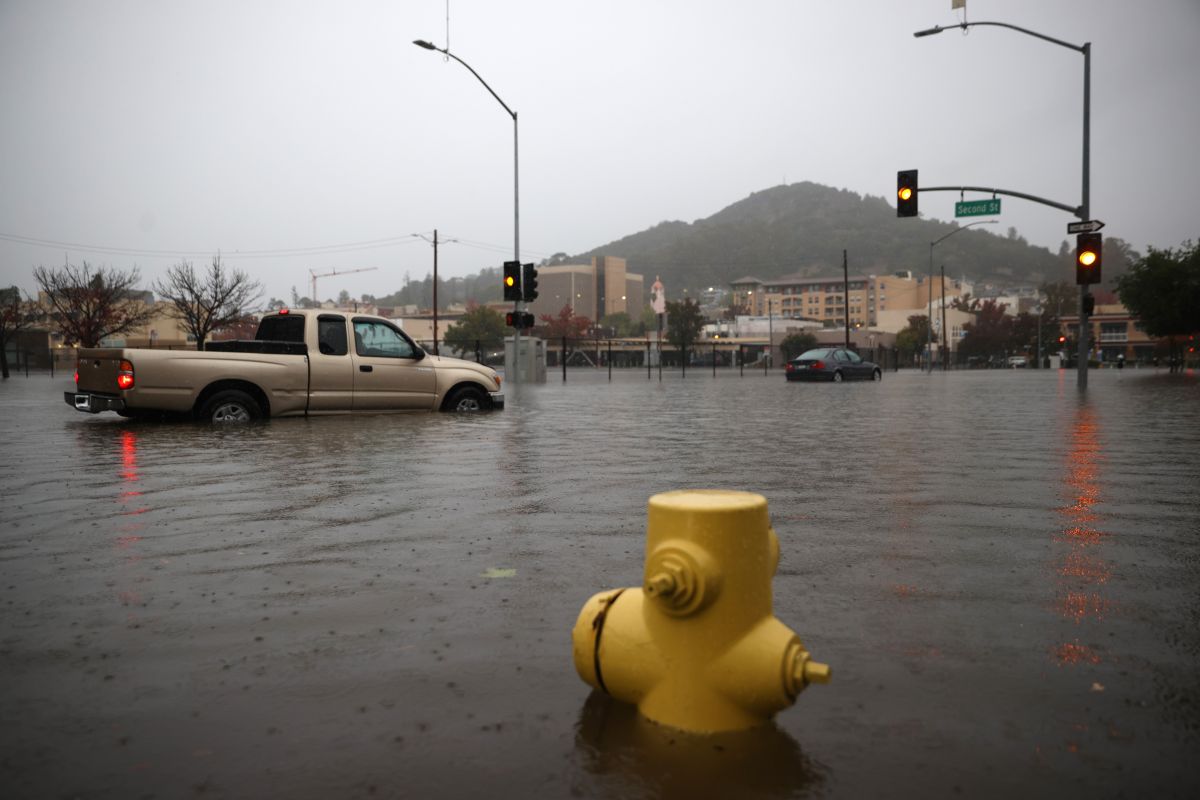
[929, 319]
[1084, 212]
[515, 378]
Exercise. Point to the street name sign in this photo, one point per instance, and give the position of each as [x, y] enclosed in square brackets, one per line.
[977, 208]
[1090, 226]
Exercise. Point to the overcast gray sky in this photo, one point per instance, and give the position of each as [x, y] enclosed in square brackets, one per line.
[137, 127]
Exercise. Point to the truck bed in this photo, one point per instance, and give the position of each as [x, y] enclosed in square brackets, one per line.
[259, 346]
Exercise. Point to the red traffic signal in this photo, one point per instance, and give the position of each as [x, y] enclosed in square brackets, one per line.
[1089, 252]
[906, 193]
[519, 319]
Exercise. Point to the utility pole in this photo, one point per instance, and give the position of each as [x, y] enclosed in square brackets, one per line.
[436, 292]
[846, 295]
[945, 350]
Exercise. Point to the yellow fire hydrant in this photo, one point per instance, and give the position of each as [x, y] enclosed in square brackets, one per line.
[697, 647]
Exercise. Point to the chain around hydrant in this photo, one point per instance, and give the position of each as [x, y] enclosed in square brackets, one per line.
[697, 647]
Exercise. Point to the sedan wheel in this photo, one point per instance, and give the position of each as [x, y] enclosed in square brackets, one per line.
[837, 377]
[877, 375]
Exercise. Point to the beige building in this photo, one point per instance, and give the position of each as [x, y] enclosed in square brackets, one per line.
[591, 290]
[830, 300]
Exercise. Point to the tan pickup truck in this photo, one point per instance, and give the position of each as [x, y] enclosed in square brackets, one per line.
[300, 362]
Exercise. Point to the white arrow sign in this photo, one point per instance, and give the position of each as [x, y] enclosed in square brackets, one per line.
[1091, 226]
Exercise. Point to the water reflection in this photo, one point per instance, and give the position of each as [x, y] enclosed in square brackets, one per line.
[1081, 571]
[634, 757]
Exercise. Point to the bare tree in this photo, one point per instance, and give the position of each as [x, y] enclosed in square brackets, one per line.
[88, 305]
[214, 299]
[15, 316]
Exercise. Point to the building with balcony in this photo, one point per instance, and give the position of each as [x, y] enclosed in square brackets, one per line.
[830, 300]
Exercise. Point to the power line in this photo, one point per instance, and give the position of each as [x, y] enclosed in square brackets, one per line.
[344, 247]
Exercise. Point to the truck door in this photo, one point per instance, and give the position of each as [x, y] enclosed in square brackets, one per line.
[390, 371]
[331, 380]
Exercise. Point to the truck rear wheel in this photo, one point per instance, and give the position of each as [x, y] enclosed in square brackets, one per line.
[228, 406]
[467, 399]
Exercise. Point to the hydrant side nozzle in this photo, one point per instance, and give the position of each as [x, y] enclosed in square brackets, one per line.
[661, 584]
[806, 671]
[816, 672]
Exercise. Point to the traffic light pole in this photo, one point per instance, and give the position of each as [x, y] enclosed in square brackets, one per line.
[1084, 210]
[514, 379]
[1085, 326]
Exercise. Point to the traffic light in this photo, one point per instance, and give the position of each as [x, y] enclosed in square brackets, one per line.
[1089, 251]
[529, 282]
[906, 193]
[512, 280]
[519, 319]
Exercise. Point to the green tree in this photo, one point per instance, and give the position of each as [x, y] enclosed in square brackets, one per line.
[90, 305]
[796, 343]
[622, 325]
[1162, 290]
[990, 333]
[912, 339]
[480, 326]
[685, 320]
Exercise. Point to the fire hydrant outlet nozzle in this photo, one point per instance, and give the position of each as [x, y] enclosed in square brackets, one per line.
[697, 646]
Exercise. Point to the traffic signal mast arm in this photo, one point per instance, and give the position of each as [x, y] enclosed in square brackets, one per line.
[1076, 210]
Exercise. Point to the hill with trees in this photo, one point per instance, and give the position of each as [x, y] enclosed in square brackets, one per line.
[803, 228]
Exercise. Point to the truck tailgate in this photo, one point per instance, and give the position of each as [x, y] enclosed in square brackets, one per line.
[98, 371]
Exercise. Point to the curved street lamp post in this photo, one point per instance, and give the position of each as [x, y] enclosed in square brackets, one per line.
[515, 377]
[1084, 210]
[929, 318]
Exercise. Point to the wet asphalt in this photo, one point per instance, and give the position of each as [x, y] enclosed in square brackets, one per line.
[1004, 576]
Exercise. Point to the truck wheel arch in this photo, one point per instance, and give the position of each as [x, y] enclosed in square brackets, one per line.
[249, 388]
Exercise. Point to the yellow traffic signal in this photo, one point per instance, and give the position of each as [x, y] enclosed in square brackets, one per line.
[1088, 258]
[906, 193]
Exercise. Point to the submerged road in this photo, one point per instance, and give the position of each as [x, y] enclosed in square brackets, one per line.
[1002, 573]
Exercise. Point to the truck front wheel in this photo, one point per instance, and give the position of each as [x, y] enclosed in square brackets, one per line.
[467, 399]
[230, 405]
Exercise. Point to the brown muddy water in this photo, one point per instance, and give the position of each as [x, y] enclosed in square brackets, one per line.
[1005, 578]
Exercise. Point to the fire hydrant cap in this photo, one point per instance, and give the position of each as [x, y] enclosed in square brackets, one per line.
[708, 500]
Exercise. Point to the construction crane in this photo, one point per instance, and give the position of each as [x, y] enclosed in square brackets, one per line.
[316, 275]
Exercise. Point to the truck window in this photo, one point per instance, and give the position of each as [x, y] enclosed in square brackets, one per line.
[331, 335]
[374, 338]
[281, 328]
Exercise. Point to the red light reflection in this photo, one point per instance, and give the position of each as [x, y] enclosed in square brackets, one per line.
[1071, 653]
[1081, 573]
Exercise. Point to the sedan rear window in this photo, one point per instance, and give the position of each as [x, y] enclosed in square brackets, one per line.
[814, 355]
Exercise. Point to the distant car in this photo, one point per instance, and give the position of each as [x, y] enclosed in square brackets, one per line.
[832, 364]
[1016, 361]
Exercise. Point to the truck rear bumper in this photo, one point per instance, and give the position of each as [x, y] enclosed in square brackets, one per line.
[93, 403]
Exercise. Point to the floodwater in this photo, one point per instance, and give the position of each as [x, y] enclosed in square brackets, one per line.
[1003, 575]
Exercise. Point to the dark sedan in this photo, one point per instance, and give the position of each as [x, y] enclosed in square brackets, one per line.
[832, 364]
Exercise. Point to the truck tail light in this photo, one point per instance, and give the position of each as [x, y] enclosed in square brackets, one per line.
[76, 374]
[125, 375]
